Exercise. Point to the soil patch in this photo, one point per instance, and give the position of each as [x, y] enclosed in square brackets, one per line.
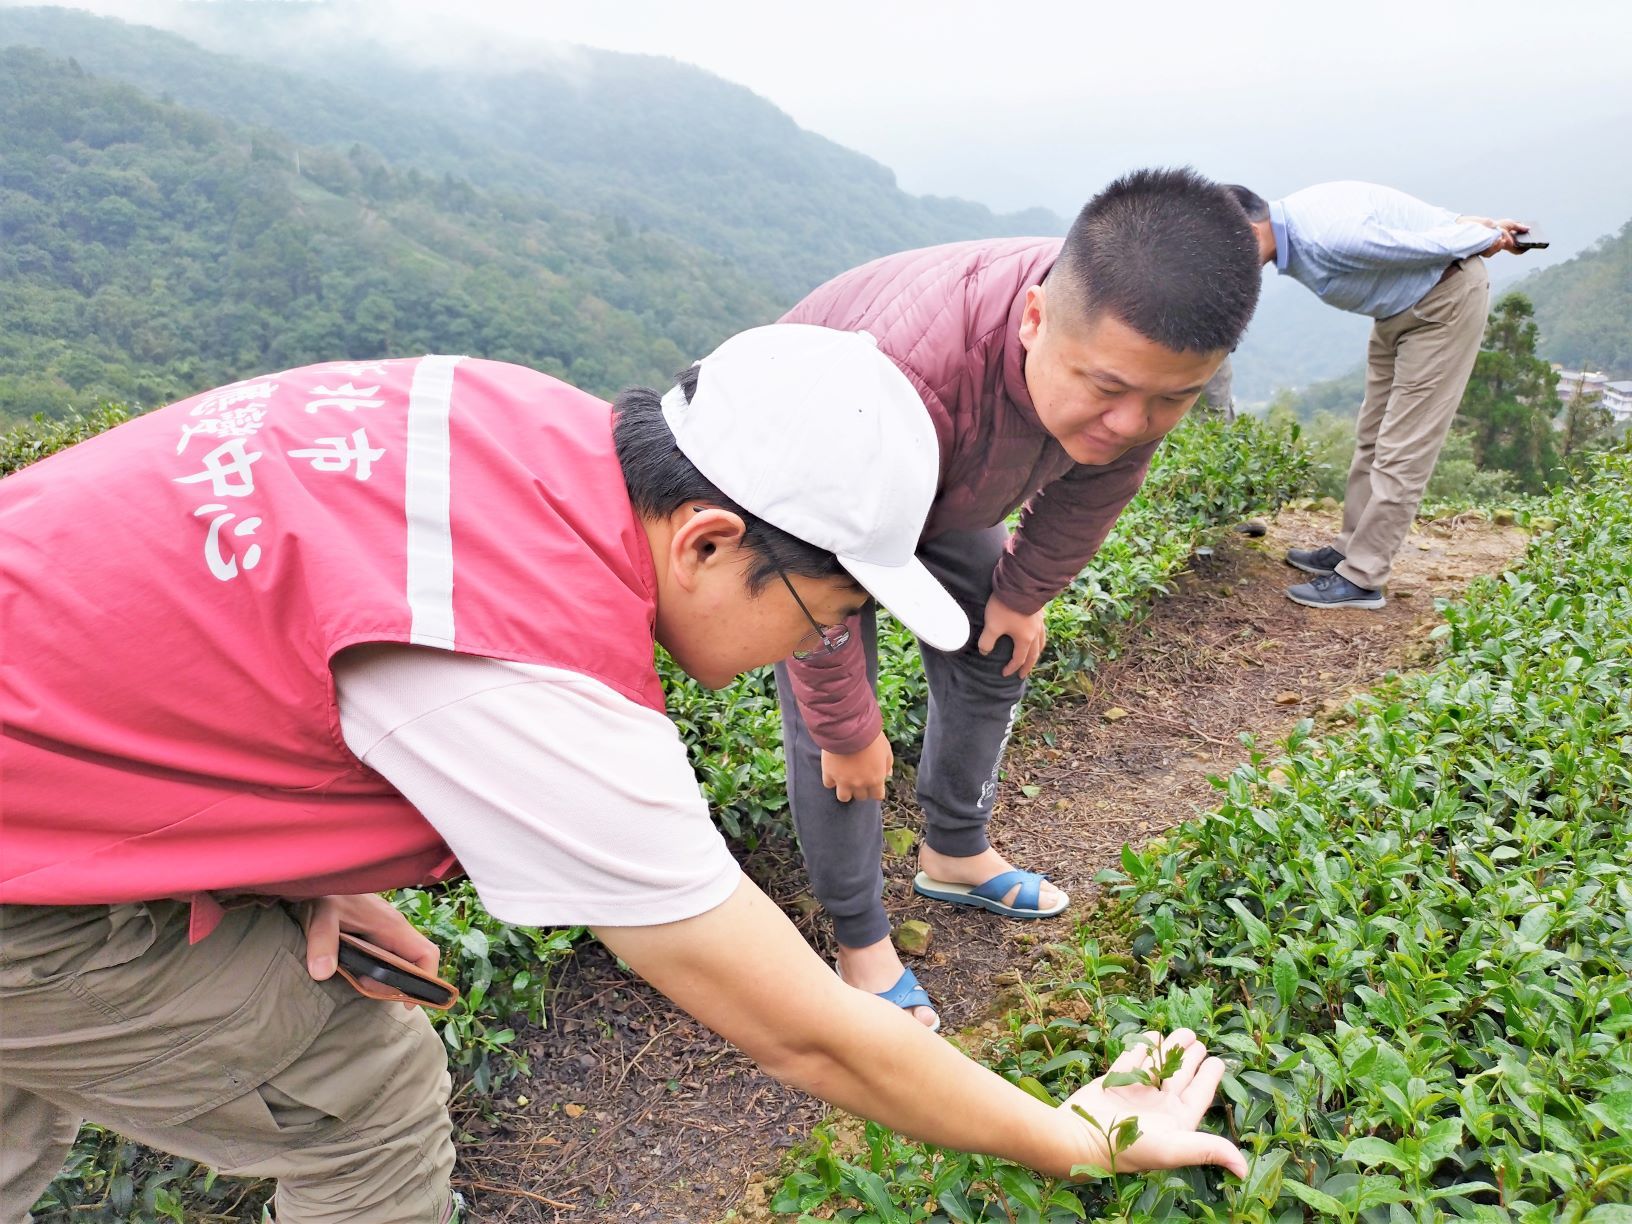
[635, 1112]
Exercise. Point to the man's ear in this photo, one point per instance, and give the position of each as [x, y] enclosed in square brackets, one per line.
[1031, 318]
[702, 538]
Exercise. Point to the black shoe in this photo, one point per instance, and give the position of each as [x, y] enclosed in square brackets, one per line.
[1334, 591]
[1314, 560]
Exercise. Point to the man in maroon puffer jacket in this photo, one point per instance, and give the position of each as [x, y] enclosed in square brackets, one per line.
[1051, 372]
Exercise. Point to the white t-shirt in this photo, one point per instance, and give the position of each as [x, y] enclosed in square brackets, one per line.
[565, 801]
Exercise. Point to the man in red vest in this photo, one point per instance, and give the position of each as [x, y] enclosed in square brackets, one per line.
[364, 625]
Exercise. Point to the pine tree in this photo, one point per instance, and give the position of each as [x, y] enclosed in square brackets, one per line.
[1512, 398]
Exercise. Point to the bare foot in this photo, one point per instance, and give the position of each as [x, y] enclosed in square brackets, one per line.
[977, 869]
[877, 967]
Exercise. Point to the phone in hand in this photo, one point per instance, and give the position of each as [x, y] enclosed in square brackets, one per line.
[1531, 240]
[385, 976]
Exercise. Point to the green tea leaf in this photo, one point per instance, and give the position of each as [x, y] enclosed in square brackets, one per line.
[1370, 1150]
[1614, 1110]
[1257, 932]
[1032, 1085]
[1020, 1185]
[1312, 1197]
[1285, 977]
[1440, 1142]
[1264, 1175]
[1555, 1165]
[1124, 1079]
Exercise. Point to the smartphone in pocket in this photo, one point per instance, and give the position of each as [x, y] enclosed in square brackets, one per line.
[385, 976]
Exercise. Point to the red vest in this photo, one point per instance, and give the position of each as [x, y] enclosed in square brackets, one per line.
[172, 592]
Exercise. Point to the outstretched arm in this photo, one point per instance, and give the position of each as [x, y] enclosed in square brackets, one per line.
[1377, 245]
[585, 809]
[743, 970]
[1062, 527]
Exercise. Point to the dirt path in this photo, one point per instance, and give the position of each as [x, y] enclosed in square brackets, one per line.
[636, 1113]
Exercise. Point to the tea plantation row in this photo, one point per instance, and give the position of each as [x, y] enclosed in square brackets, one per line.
[1411, 941]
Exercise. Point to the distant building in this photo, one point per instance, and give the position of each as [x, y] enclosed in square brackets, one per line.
[1618, 399]
[1573, 383]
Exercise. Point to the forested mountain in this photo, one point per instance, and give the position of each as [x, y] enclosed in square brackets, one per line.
[655, 142]
[591, 212]
[1295, 340]
[1339, 396]
[150, 251]
[1584, 306]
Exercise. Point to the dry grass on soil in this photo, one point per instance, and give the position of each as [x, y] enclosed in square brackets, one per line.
[636, 1113]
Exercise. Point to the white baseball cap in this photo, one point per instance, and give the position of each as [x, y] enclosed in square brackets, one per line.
[817, 432]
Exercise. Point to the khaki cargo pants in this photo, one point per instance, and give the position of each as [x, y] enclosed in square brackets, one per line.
[1417, 367]
[226, 1052]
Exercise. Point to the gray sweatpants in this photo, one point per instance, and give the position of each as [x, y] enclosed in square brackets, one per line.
[971, 712]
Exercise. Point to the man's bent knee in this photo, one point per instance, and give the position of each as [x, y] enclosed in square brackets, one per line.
[378, 1143]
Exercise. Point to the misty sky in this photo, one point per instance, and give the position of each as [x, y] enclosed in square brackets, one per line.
[1500, 108]
[1496, 107]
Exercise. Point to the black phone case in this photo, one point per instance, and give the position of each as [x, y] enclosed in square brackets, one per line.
[360, 965]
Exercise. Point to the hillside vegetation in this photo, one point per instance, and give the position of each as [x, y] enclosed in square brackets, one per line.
[152, 251]
[652, 141]
[1584, 306]
[1409, 939]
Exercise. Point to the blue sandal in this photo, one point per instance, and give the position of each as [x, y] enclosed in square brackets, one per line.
[989, 896]
[907, 993]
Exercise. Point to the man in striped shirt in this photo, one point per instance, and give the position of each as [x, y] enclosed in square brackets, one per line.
[1412, 267]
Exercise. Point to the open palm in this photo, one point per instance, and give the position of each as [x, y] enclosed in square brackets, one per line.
[1164, 1085]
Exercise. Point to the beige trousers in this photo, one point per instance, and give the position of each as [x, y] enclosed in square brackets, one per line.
[225, 1052]
[1417, 367]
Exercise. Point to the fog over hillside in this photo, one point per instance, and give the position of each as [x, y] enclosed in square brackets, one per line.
[796, 147]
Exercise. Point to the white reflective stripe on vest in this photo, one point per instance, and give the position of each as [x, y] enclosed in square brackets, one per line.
[427, 503]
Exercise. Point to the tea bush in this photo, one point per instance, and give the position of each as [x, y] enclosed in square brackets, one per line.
[503, 973]
[1412, 943]
[27, 441]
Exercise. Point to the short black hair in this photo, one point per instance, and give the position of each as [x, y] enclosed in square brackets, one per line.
[661, 479]
[1169, 253]
[1253, 204]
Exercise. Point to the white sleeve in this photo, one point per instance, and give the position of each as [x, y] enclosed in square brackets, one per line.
[565, 801]
[1378, 245]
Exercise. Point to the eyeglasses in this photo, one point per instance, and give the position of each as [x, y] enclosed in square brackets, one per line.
[832, 636]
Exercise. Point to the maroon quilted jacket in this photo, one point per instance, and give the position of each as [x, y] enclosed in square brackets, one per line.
[949, 316]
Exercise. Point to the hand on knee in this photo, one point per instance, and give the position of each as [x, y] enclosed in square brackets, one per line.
[859, 775]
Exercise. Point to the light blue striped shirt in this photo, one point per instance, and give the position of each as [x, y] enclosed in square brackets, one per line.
[1369, 249]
